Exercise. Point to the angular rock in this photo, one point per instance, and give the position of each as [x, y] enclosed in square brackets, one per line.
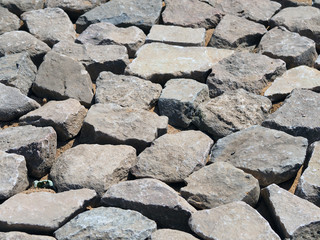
[292, 48]
[154, 199]
[245, 70]
[231, 112]
[66, 117]
[23, 236]
[269, 155]
[107, 223]
[294, 3]
[173, 157]
[18, 6]
[43, 212]
[235, 220]
[37, 145]
[50, 25]
[170, 234]
[126, 91]
[8, 21]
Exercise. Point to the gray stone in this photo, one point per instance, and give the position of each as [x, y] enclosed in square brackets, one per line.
[249, 71]
[294, 3]
[292, 48]
[14, 175]
[154, 199]
[295, 217]
[8, 21]
[43, 212]
[171, 234]
[173, 157]
[298, 115]
[126, 91]
[269, 155]
[107, 223]
[113, 124]
[66, 117]
[60, 77]
[316, 3]
[37, 145]
[50, 25]
[14, 104]
[23, 236]
[317, 63]
[105, 33]
[231, 112]
[18, 6]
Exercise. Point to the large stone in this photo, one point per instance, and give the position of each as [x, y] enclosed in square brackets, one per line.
[235, 220]
[245, 70]
[66, 117]
[171, 234]
[107, 223]
[294, 3]
[295, 217]
[154, 199]
[295, 50]
[8, 21]
[269, 155]
[43, 212]
[231, 112]
[173, 157]
[23, 236]
[37, 145]
[18, 6]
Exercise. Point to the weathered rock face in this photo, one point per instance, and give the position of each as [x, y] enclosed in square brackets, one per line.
[18, 6]
[170, 234]
[8, 21]
[231, 221]
[173, 157]
[154, 199]
[294, 3]
[23, 236]
[270, 156]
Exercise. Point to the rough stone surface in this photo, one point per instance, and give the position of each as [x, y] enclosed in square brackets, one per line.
[173, 157]
[66, 117]
[8, 21]
[294, 3]
[18, 6]
[37, 145]
[23, 236]
[154, 199]
[171, 234]
[269, 155]
[231, 112]
[235, 220]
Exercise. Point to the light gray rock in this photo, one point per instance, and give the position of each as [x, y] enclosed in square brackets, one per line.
[173, 157]
[171, 234]
[154, 199]
[231, 112]
[249, 71]
[66, 117]
[23, 236]
[295, 217]
[37, 145]
[179, 100]
[126, 91]
[295, 50]
[235, 220]
[60, 77]
[18, 6]
[294, 3]
[50, 25]
[269, 155]
[8, 21]
[43, 212]
[317, 63]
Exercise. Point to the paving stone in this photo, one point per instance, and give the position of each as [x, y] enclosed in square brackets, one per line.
[23, 236]
[269, 155]
[8, 21]
[154, 199]
[171, 234]
[235, 220]
[18, 6]
[294, 3]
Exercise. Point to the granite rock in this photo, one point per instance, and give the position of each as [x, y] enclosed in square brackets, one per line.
[8, 21]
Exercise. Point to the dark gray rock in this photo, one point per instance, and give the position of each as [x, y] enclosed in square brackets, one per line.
[8, 21]
[18, 6]
[170, 234]
[316, 3]
[23, 236]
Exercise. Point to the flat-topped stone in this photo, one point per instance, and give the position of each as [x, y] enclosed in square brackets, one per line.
[8, 21]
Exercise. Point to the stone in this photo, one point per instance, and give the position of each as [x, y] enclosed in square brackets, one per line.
[154, 199]
[126, 91]
[218, 184]
[269, 155]
[110, 123]
[180, 99]
[316, 3]
[298, 115]
[23, 236]
[249, 71]
[14, 104]
[175, 35]
[235, 220]
[295, 217]
[37, 145]
[292, 48]
[107, 165]
[317, 63]
[107, 223]
[299, 77]
[105, 33]
[43, 212]
[171, 234]
[123, 13]
[231, 112]
[66, 117]
[18, 7]
[234, 32]
[50, 25]
[70, 78]
[173, 157]
[294, 3]
[14, 176]
[8, 21]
